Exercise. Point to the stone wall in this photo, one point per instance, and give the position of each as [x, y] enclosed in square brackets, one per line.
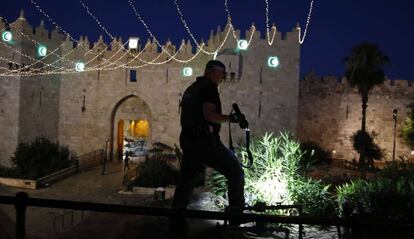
[330, 112]
[82, 109]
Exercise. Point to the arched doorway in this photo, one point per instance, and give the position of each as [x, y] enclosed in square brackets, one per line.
[130, 128]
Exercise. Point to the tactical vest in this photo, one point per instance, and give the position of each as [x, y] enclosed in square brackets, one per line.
[192, 118]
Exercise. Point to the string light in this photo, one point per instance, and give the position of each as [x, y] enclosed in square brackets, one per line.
[302, 39]
[240, 42]
[96, 20]
[40, 60]
[37, 43]
[39, 9]
[229, 19]
[25, 55]
[200, 47]
[269, 39]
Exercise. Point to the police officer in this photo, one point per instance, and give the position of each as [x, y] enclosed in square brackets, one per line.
[201, 118]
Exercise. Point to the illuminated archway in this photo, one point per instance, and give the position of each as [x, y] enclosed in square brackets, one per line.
[130, 127]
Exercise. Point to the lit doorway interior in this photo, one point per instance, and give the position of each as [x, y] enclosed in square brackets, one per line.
[133, 137]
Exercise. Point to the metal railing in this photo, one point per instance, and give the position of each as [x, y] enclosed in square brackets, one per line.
[90, 159]
[21, 201]
[72, 215]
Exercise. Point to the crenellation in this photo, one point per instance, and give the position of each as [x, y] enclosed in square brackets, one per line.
[322, 108]
[400, 83]
[41, 32]
[341, 106]
[2, 24]
[56, 35]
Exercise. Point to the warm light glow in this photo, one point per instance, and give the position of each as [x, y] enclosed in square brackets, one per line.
[133, 43]
[141, 129]
[79, 67]
[242, 44]
[412, 152]
[188, 71]
[334, 151]
[41, 51]
[273, 61]
[7, 36]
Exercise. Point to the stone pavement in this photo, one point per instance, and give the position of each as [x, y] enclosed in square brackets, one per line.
[91, 186]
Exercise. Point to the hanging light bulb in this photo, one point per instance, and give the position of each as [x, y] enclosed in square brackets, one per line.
[133, 43]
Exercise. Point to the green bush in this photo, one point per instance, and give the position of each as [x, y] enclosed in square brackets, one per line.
[389, 196]
[315, 196]
[314, 154]
[276, 176]
[37, 159]
[155, 172]
[408, 128]
[363, 142]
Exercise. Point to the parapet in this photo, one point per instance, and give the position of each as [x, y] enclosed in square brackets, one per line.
[314, 82]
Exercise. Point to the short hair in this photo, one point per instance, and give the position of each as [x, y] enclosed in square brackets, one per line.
[217, 65]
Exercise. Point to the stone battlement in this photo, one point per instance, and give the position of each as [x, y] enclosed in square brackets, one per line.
[215, 39]
[314, 82]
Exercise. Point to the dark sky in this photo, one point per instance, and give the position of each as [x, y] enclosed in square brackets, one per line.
[336, 25]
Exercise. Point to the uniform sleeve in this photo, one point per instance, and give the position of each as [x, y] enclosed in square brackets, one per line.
[209, 94]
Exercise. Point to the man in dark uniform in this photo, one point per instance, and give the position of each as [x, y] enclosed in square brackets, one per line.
[201, 117]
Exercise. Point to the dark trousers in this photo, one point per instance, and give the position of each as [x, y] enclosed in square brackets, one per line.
[196, 155]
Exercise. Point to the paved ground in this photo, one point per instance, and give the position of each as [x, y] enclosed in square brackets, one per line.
[88, 186]
[93, 187]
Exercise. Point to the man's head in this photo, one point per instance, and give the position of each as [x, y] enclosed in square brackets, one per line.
[215, 71]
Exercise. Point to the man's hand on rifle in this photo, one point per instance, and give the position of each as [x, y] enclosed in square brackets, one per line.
[236, 118]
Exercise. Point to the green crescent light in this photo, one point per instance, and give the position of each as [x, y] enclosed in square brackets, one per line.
[7, 36]
[80, 66]
[273, 61]
[41, 51]
[188, 71]
[242, 44]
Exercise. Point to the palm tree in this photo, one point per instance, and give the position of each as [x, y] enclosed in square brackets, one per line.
[364, 71]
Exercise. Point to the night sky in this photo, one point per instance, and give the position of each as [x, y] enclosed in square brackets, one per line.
[336, 25]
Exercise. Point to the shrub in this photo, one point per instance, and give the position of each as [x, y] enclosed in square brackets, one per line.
[314, 154]
[363, 142]
[407, 131]
[276, 175]
[155, 172]
[315, 196]
[389, 196]
[39, 158]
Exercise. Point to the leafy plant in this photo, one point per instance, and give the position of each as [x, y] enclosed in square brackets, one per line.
[314, 195]
[38, 158]
[276, 175]
[408, 128]
[314, 154]
[155, 172]
[363, 142]
[389, 196]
